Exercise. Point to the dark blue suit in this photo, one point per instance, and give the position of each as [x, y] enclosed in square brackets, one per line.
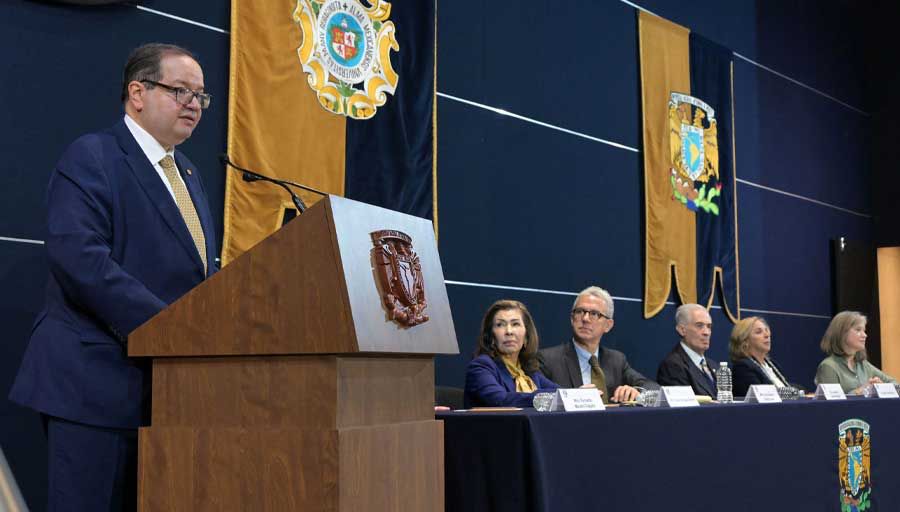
[119, 252]
[488, 383]
[677, 369]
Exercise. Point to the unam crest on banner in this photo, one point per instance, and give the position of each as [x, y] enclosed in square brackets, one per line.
[695, 153]
[346, 53]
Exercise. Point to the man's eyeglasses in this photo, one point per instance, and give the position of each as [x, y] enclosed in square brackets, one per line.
[183, 95]
[593, 314]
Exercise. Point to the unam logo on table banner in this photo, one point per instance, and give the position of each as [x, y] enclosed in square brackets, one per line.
[854, 465]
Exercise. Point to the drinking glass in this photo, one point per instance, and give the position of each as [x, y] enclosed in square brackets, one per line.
[648, 397]
[542, 401]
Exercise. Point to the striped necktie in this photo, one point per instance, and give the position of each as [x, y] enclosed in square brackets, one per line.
[185, 206]
[708, 373]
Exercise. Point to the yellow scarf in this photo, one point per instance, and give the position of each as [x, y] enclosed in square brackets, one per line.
[524, 384]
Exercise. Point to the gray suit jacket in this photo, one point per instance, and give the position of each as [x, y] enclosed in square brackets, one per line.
[560, 364]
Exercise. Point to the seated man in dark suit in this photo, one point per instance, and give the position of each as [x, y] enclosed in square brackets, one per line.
[583, 361]
[686, 364]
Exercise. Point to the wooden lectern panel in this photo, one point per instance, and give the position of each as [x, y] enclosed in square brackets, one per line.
[392, 468]
[286, 295]
[292, 391]
[309, 288]
[281, 383]
[386, 468]
[235, 469]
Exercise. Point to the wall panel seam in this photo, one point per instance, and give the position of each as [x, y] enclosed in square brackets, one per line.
[615, 297]
[21, 240]
[181, 19]
[504, 112]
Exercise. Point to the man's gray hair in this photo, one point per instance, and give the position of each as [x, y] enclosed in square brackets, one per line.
[596, 291]
[683, 313]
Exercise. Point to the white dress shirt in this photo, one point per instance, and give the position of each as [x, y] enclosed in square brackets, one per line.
[153, 150]
[584, 362]
[696, 358]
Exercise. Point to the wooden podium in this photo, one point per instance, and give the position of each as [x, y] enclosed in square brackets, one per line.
[282, 383]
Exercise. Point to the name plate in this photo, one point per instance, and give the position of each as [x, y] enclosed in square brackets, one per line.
[762, 394]
[830, 392]
[586, 399]
[886, 390]
[677, 396]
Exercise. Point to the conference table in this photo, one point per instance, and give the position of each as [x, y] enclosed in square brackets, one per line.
[716, 457]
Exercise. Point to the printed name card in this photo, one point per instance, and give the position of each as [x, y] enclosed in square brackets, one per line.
[762, 394]
[830, 392]
[586, 399]
[886, 390]
[678, 396]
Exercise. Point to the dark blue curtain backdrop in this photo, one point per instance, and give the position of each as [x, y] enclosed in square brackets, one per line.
[711, 81]
[538, 211]
[389, 158]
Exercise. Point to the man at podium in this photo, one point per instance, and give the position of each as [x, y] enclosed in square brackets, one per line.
[129, 232]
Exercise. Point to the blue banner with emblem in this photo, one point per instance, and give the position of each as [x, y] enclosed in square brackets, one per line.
[689, 185]
[711, 81]
[390, 157]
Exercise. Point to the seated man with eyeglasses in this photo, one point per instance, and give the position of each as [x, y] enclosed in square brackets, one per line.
[583, 361]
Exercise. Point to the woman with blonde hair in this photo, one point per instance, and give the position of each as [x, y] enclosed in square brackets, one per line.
[749, 347]
[845, 344]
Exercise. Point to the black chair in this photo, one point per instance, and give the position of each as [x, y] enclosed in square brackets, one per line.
[448, 396]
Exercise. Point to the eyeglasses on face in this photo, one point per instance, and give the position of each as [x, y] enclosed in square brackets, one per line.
[184, 95]
[592, 313]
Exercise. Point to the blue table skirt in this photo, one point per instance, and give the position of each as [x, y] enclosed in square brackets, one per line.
[736, 457]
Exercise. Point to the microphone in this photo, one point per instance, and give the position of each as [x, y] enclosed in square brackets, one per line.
[251, 176]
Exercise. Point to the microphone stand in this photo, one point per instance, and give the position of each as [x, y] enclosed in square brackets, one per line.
[251, 176]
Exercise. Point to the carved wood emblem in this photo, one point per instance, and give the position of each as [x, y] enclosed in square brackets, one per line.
[399, 275]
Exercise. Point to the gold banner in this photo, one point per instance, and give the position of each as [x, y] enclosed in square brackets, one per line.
[275, 124]
[670, 227]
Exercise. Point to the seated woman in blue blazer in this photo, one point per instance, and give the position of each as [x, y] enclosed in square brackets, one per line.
[749, 346]
[504, 371]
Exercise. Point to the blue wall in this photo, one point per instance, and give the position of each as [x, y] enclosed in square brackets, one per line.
[523, 205]
[536, 211]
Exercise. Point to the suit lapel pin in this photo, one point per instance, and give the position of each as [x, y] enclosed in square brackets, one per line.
[189, 172]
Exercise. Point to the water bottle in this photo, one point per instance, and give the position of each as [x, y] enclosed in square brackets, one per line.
[723, 384]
